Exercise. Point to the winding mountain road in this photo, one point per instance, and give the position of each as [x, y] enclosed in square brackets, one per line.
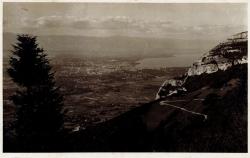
[183, 109]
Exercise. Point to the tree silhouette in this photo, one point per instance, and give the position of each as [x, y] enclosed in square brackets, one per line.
[38, 101]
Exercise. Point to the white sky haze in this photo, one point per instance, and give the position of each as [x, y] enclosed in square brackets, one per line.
[188, 21]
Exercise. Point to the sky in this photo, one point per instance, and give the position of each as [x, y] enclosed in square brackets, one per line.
[179, 21]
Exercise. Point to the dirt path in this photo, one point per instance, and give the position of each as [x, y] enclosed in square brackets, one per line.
[172, 101]
[183, 109]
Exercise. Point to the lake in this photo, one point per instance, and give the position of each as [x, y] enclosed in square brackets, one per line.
[175, 61]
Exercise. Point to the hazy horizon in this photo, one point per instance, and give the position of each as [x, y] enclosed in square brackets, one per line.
[167, 20]
[125, 29]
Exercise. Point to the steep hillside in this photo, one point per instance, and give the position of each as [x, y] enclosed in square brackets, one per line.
[211, 118]
[197, 113]
[226, 54]
[223, 56]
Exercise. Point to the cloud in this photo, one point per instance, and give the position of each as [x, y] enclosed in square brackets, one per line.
[25, 9]
[107, 23]
[110, 23]
[82, 24]
[51, 21]
[122, 25]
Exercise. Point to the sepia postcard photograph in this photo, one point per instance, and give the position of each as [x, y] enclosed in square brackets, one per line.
[124, 77]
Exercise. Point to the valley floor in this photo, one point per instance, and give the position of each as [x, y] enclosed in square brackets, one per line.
[96, 90]
[209, 118]
[114, 112]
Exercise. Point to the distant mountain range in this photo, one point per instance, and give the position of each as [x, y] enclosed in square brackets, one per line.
[116, 46]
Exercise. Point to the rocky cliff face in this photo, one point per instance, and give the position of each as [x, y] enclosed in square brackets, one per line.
[231, 52]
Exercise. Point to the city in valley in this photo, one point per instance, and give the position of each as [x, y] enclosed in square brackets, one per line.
[98, 89]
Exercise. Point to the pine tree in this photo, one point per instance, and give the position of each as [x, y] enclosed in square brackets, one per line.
[38, 101]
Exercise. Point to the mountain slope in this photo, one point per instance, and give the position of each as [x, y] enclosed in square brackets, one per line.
[209, 119]
[223, 56]
[209, 116]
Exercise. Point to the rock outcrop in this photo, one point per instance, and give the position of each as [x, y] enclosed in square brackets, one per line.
[231, 52]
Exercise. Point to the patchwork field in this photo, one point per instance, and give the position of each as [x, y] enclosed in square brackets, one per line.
[96, 89]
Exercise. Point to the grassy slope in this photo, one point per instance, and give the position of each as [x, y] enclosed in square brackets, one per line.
[154, 127]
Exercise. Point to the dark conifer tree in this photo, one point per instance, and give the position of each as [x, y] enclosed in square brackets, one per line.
[38, 101]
